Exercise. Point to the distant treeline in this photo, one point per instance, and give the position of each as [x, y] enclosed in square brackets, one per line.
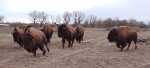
[94, 24]
[39, 18]
[111, 22]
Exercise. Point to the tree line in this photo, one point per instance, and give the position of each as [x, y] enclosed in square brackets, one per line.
[77, 17]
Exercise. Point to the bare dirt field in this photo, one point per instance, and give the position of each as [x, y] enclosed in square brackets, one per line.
[95, 52]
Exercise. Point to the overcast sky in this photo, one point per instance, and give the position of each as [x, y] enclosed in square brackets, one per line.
[17, 10]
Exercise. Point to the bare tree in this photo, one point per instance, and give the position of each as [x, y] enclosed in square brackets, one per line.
[92, 20]
[42, 17]
[108, 22]
[34, 16]
[58, 19]
[67, 17]
[78, 17]
[52, 19]
[1, 19]
[86, 23]
[38, 17]
[99, 23]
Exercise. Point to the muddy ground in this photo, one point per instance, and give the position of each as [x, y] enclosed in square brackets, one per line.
[94, 52]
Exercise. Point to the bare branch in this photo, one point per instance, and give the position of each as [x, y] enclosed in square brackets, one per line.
[67, 17]
[78, 17]
[38, 17]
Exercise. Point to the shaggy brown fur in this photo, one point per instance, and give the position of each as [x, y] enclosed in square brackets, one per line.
[122, 36]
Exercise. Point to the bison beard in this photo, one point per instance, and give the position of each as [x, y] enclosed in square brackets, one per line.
[122, 36]
[67, 33]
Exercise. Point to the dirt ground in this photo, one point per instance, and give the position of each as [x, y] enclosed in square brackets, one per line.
[94, 52]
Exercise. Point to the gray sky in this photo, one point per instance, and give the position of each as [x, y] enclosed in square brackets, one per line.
[17, 10]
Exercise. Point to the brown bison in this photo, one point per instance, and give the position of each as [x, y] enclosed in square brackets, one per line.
[67, 33]
[79, 33]
[123, 36]
[32, 39]
[48, 31]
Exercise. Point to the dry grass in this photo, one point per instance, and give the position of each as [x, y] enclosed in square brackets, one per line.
[96, 53]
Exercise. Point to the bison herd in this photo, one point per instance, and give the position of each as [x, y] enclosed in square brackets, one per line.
[31, 38]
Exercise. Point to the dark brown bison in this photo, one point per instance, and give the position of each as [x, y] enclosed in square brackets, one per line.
[32, 39]
[123, 36]
[67, 33]
[79, 33]
[48, 31]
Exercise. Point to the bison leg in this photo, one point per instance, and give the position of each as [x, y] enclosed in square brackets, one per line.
[42, 49]
[46, 45]
[47, 48]
[34, 52]
[78, 38]
[72, 43]
[135, 40]
[63, 42]
[69, 43]
[118, 45]
[48, 39]
[81, 38]
[128, 45]
[123, 46]
[135, 45]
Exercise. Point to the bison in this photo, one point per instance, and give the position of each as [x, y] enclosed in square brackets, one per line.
[79, 33]
[67, 33]
[32, 39]
[48, 31]
[123, 36]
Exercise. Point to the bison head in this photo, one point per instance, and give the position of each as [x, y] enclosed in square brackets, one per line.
[112, 35]
[20, 37]
[17, 35]
[61, 29]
